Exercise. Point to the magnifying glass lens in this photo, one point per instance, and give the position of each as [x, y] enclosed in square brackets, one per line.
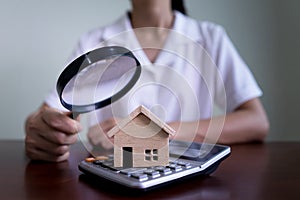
[97, 79]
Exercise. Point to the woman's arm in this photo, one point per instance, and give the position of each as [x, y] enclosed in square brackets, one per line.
[248, 123]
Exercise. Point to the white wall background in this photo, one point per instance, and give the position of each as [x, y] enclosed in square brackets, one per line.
[36, 38]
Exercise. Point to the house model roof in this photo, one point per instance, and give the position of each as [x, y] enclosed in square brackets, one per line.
[148, 114]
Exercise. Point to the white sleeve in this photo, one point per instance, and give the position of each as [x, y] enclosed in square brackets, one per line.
[86, 43]
[240, 85]
[52, 98]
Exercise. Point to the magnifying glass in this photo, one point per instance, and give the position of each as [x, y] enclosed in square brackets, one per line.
[97, 79]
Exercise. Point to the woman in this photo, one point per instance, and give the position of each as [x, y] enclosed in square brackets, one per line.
[50, 132]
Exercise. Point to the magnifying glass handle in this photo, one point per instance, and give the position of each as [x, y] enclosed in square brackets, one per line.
[74, 115]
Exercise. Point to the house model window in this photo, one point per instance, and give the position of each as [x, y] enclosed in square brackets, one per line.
[141, 140]
[151, 154]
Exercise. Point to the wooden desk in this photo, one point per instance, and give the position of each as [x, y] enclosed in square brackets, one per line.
[253, 171]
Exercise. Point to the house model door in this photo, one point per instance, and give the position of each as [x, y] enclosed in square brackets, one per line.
[127, 157]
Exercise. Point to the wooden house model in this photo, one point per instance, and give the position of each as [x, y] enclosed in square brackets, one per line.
[141, 140]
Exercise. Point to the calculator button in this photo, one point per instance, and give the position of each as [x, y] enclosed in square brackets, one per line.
[152, 173]
[109, 165]
[91, 159]
[130, 171]
[175, 167]
[140, 176]
[163, 170]
[98, 162]
[185, 164]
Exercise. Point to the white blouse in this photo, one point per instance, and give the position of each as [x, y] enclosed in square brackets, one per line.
[197, 69]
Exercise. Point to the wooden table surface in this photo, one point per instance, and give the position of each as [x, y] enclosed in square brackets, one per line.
[253, 171]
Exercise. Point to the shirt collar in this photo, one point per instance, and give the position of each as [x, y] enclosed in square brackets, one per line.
[184, 31]
[182, 25]
[186, 26]
[112, 31]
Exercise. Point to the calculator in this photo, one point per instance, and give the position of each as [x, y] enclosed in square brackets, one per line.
[185, 161]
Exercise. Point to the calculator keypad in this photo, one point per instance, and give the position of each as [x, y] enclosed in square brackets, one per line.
[143, 173]
[179, 166]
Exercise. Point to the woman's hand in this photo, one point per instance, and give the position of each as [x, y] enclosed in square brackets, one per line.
[49, 134]
[97, 134]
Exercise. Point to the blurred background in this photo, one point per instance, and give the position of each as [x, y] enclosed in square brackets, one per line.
[37, 37]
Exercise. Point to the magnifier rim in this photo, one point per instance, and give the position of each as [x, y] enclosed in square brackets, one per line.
[87, 59]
